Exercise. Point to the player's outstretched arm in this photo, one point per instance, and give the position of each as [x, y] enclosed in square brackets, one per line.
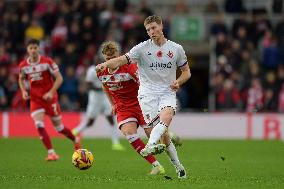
[112, 63]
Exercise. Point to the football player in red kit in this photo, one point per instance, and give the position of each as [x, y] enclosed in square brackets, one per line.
[44, 78]
[121, 86]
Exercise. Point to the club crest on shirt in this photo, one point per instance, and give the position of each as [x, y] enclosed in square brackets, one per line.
[159, 54]
[170, 54]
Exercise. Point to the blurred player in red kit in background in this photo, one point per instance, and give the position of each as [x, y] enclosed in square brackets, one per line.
[44, 79]
[121, 86]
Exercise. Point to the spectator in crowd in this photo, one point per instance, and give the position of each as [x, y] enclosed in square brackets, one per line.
[228, 98]
[270, 88]
[34, 30]
[259, 25]
[219, 25]
[255, 96]
[240, 22]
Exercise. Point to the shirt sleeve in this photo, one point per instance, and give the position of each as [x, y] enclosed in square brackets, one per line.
[134, 53]
[53, 67]
[182, 59]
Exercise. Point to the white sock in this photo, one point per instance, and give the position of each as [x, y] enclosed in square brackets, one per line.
[51, 151]
[114, 135]
[172, 153]
[157, 132]
[156, 163]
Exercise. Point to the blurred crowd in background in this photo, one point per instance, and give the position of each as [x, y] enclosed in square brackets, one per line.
[247, 75]
[249, 71]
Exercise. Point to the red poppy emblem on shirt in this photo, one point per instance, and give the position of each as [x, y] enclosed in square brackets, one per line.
[159, 54]
[170, 54]
[34, 69]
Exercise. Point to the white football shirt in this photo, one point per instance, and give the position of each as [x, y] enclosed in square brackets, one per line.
[157, 65]
[92, 77]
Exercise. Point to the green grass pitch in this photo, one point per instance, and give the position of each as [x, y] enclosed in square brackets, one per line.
[210, 164]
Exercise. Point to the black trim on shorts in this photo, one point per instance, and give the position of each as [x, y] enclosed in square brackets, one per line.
[169, 107]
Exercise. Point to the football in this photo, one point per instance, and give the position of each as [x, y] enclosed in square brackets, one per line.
[82, 159]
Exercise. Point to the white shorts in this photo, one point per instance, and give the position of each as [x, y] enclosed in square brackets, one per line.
[152, 104]
[98, 103]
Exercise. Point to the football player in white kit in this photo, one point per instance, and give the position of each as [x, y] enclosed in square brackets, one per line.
[98, 104]
[158, 59]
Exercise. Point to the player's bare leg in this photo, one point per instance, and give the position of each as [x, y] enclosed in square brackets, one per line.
[38, 120]
[129, 130]
[116, 145]
[65, 131]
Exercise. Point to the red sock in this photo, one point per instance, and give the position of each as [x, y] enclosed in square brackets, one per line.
[67, 132]
[138, 145]
[44, 138]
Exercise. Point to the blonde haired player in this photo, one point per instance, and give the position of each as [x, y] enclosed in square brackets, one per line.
[98, 104]
[157, 60]
[121, 86]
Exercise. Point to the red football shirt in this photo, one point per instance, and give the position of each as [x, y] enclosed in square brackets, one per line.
[122, 85]
[40, 76]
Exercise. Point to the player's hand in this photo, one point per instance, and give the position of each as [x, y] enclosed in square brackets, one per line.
[25, 95]
[101, 67]
[174, 85]
[48, 96]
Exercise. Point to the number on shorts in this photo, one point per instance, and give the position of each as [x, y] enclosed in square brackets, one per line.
[54, 106]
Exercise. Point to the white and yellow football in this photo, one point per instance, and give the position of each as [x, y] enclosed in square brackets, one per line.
[82, 159]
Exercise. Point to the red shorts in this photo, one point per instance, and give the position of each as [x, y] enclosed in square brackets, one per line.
[131, 115]
[50, 108]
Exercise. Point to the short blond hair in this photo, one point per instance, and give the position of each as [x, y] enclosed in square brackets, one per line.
[109, 48]
[153, 18]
